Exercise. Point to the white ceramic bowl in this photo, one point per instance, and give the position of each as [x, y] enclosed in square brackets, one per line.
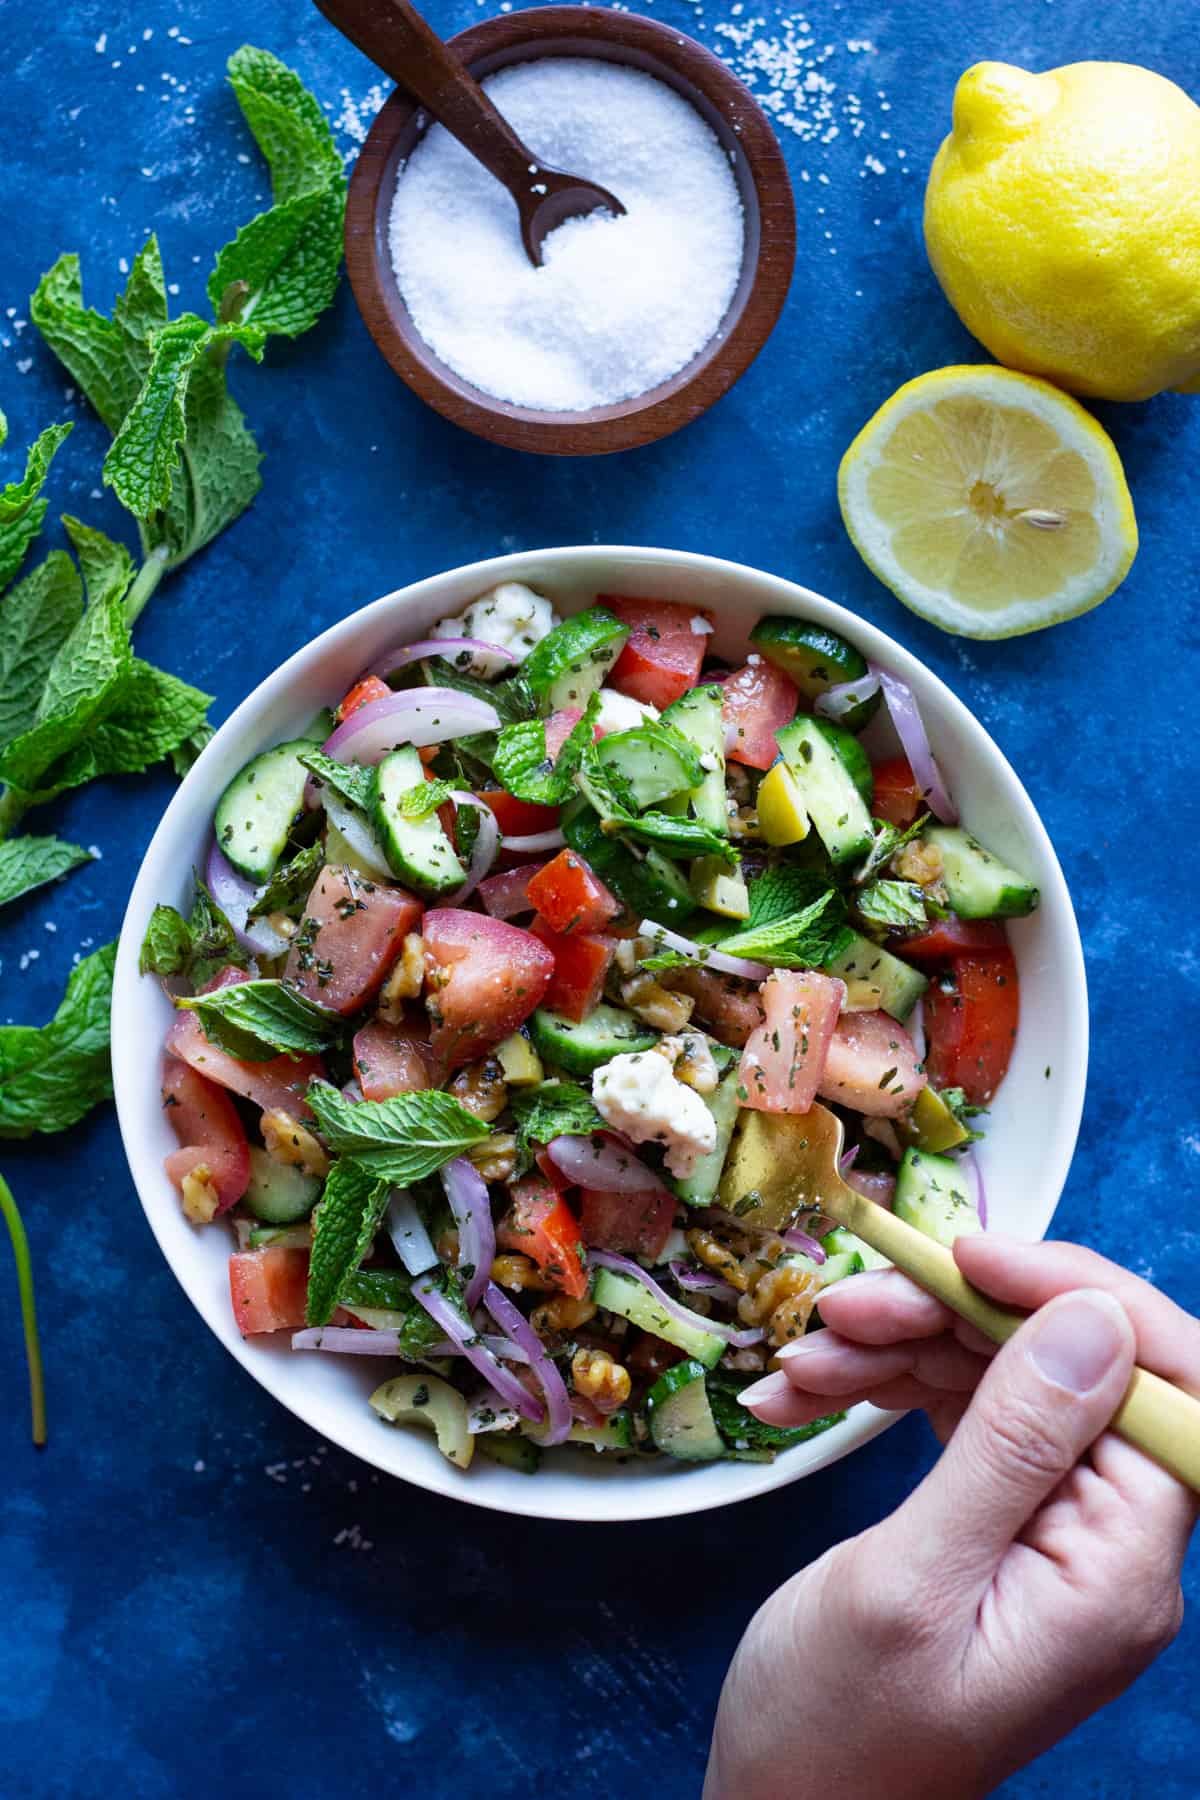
[1031, 1131]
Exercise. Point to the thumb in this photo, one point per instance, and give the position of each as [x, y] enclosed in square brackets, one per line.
[1046, 1397]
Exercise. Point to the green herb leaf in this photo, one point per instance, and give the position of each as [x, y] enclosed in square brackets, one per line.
[36, 619]
[291, 884]
[741, 1430]
[16, 538]
[287, 121]
[106, 358]
[680, 837]
[185, 754]
[888, 839]
[891, 904]
[344, 1226]
[350, 780]
[800, 940]
[50, 1076]
[81, 684]
[27, 863]
[257, 1020]
[219, 473]
[401, 1139]
[665, 959]
[964, 1111]
[523, 765]
[197, 947]
[553, 1109]
[17, 497]
[167, 946]
[418, 802]
[107, 566]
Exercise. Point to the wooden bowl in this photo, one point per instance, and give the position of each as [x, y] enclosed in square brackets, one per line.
[741, 128]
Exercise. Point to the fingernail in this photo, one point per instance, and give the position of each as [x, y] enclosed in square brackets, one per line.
[801, 1347]
[771, 1387]
[1079, 1339]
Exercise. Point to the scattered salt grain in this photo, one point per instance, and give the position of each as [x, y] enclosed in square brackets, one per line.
[620, 304]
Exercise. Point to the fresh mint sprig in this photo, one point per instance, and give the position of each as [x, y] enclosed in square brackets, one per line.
[403, 1139]
[261, 1019]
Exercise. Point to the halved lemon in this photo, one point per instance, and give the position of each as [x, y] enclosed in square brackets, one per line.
[989, 502]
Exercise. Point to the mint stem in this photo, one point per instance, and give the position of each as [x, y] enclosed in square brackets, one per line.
[145, 582]
[33, 1349]
[12, 811]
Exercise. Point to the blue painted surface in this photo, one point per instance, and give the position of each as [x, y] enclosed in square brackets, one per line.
[198, 1597]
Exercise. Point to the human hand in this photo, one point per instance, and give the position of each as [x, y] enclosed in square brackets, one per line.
[1027, 1581]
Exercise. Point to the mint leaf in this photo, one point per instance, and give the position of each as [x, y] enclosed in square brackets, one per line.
[51, 1076]
[27, 863]
[185, 754]
[218, 477]
[344, 1226]
[404, 1138]
[198, 947]
[350, 780]
[16, 538]
[291, 884]
[888, 839]
[257, 1020]
[167, 946]
[553, 1109]
[522, 764]
[288, 124]
[106, 358]
[142, 458]
[107, 565]
[782, 890]
[18, 496]
[964, 1111]
[418, 802]
[680, 837]
[36, 618]
[666, 959]
[80, 684]
[800, 940]
[892, 904]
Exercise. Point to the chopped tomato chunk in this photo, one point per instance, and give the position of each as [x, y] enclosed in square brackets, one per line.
[872, 1065]
[280, 1083]
[559, 727]
[483, 978]
[898, 798]
[757, 701]
[210, 1133]
[728, 1006]
[971, 1016]
[954, 937]
[518, 818]
[348, 939]
[662, 657]
[269, 1289]
[581, 962]
[628, 1224]
[362, 694]
[570, 897]
[540, 1224]
[784, 1058]
[388, 1061]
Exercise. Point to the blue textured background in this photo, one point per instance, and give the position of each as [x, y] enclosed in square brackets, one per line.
[197, 1597]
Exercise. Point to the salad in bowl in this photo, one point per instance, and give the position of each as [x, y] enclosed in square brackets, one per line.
[492, 974]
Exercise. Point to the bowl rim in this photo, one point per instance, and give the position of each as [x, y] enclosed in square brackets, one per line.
[622, 1502]
[770, 241]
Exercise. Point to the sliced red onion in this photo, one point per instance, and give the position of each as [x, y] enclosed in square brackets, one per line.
[877, 1187]
[235, 895]
[357, 833]
[483, 853]
[514, 1323]
[459, 650]
[408, 1234]
[795, 1239]
[466, 1190]
[347, 1340]
[847, 1162]
[502, 1347]
[602, 1161]
[462, 1332]
[975, 1181]
[699, 1281]
[486, 1411]
[683, 1315]
[535, 844]
[704, 953]
[906, 717]
[844, 696]
[417, 716]
[353, 1092]
[506, 896]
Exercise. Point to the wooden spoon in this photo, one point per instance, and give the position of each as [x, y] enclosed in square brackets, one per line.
[783, 1162]
[396, 38]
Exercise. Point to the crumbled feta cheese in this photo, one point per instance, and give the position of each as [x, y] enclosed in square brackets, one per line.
[639, 1095]
[618, 712]
[512, 617]
[700, 625]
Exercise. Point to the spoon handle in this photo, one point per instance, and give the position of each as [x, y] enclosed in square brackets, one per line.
[398, 40]
[1162, 1420]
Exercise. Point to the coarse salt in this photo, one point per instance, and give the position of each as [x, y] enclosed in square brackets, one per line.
[620, 303]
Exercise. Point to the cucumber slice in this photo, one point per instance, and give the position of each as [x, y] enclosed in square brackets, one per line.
[628, 1298]
[697, 714]
[978, 884]
[580, 1048]
[255, 813]
[816, 659]
[828, 765]
[280, 1237]
[840, 1241]
[571, 661]
[417, 850]
[279, 1194]
[649, 886]
[680, 1417]
[876, 980]
[511, 1448]
[616, 1433]
[700, 1187]
[428, 1400]
[931, 1193]
[650, 765]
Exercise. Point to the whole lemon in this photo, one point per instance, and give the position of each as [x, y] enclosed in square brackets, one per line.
[1062, 218]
